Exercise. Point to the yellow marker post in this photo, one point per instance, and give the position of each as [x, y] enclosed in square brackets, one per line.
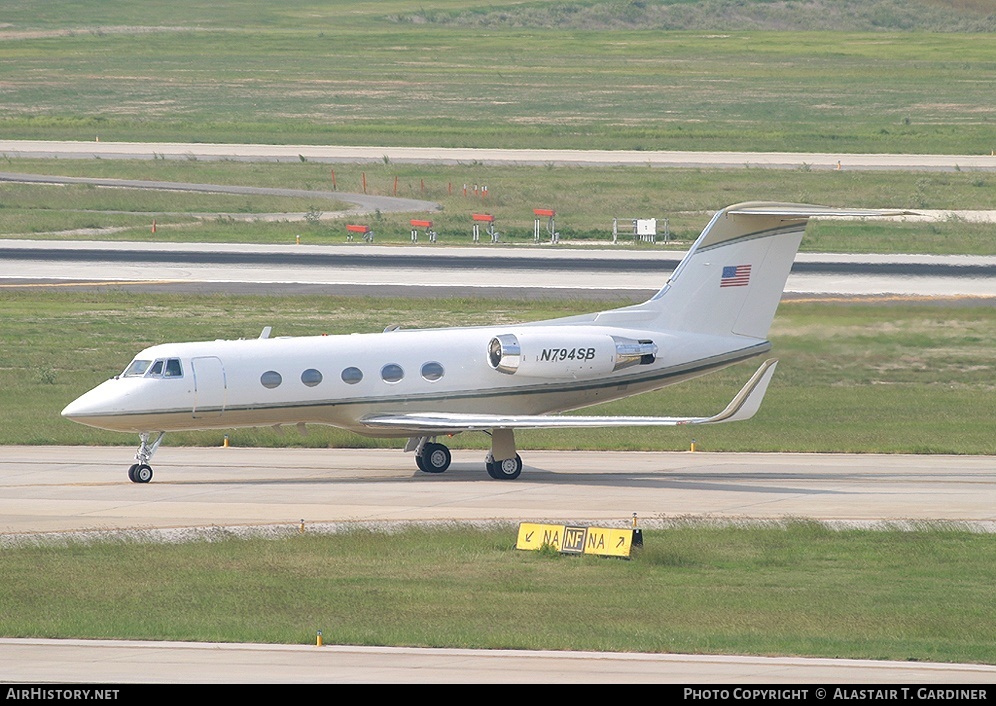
[318, 641]
[637, 534]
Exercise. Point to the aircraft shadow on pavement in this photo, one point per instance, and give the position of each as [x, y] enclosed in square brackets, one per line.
[745, 482]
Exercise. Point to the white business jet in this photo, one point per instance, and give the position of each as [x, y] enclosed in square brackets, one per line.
[714, 311]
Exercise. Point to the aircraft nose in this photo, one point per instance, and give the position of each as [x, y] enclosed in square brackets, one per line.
[82, 406]
[74, 409]
[93, 405]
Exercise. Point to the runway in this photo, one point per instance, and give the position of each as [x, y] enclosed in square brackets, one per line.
[46, 492]
[440, 155]
[484, 271]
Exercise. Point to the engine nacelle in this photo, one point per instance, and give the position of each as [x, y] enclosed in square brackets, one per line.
[550, 354]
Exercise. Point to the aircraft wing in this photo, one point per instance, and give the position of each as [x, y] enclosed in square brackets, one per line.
[743, 406]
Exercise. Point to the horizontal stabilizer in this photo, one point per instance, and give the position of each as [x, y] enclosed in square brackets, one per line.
[808, 211]
[743, 406]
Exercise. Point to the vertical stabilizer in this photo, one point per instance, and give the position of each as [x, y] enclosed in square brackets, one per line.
[732, 278]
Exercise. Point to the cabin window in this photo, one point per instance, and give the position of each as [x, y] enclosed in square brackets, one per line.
[311, 377]
[392, 372]
[432, 371]
[137, 368]
[173, 369]
[271, 379]
[351, 376]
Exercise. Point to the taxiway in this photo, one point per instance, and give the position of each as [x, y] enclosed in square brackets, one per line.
[122, 662]
[71, 489]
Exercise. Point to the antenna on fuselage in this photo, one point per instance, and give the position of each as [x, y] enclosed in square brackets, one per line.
[266, 332]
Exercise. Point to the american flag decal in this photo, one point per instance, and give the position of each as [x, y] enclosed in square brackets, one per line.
[735, 276]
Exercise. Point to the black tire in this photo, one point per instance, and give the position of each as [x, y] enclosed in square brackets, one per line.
[143, 474]
[489, 464]
[131, 472]
[509, 469]
[435, 458]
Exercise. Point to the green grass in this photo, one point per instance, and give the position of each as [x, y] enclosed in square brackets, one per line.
[586, 200]
[922, 595]
[374, 73]
[914, 378]
[722, 15]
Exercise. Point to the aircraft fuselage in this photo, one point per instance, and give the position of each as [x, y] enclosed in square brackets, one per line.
[340, 380]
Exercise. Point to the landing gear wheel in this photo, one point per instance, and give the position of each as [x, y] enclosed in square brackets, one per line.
[489, 464]
[435, 458]
[142, 474]
[509, 469]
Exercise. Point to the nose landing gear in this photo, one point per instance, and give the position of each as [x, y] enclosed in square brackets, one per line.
[141, 472]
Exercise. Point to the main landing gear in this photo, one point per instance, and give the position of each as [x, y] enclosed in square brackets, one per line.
[141, 472]
[509, 469]
[433, 458]
[502, 461]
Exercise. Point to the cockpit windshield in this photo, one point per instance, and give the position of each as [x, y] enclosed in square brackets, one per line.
[162, 368]
[137, 368]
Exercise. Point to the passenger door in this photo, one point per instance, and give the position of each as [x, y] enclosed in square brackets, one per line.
[210, 387]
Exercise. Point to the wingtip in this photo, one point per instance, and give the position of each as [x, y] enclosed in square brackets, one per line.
[747, 402]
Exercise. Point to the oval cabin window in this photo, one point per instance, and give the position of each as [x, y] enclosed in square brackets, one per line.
[351, 376]
[311, 377]
[432, 371]
[271, 379]
[392, 372]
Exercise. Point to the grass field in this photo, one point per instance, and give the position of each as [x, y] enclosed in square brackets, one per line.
[797, 589]
[586, 200]
[913, 378]
[532, 75]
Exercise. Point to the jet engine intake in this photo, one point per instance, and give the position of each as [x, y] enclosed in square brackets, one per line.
[504, 353]
[563, 355]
